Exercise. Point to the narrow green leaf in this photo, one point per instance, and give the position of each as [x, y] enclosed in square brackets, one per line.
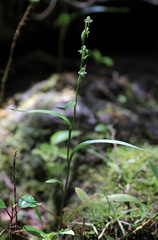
[68, 105]
[112, 197]
[83, 144]
[2, 204]
[121, 227]
[55, 181]
[67, 219]
[61, 136]
[38, 214]
[28, 201]
[45, 112]
[34, 231]
[82, 195]
[154, 169]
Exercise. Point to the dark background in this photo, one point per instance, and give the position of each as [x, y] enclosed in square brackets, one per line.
[133, 33]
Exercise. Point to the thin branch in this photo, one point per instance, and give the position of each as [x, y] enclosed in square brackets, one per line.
[47, 11]
[12, 48]
[81, 5]
[140, 227]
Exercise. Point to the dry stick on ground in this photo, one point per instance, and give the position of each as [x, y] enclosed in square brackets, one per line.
[14, 41]
[140, 227]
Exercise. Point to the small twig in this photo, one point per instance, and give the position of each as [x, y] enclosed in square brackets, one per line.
[12, 48]
[47, 11]
[140, 227]
[103, 230]
[2, 231]
[144, 224]
[87, 224]
[79, 4]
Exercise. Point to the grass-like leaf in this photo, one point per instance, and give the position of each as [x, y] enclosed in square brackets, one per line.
[111, 197]
[38, 214]
[34, 231]
[45, 112]
[83, 144]
[154, 169]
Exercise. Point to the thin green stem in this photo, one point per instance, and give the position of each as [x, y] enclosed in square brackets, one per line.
[67, 178]
[82, 73]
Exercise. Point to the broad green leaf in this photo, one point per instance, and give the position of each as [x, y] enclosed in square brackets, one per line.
[55, 181]
[66, 231]
[82, 195]
[2, 204]
[49, 236]
[83, 144]
[154, 169]
[45, 112]
[121, 198]
[38, 214]
[62, 136]
[68, 105]
[28, 201]
[34, 231]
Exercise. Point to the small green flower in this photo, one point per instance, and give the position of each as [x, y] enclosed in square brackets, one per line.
[82, 72]
[88, 20]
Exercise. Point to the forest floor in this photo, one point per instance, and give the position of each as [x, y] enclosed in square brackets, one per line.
[115, 103]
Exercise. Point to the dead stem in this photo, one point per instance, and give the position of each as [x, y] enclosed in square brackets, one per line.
[12, 48]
